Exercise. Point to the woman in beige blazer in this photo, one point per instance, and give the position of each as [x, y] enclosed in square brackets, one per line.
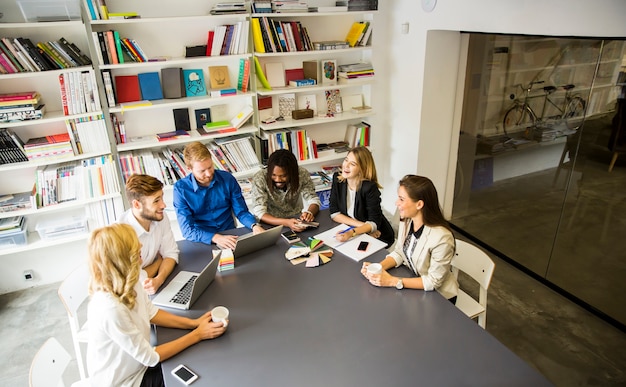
[425, 242]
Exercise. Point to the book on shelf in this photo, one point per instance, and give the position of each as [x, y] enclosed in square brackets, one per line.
[243, 115]
[307, 101]
[354, 34]
[286, 104]
[88, 135]
[150, 86]
[329, 72]
[127, 88]
[333, 101]
[302, 82]
[243, 80]
[181, 119]
[30, 112]
[331, 45]
[275, 74]
[293, 74]
[172, 135]
[219, 77]
[11, 148]
[173, 82]
[27, 97]
[358, 135]
[194, 82]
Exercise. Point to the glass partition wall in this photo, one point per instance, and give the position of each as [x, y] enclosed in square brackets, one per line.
[540, 126]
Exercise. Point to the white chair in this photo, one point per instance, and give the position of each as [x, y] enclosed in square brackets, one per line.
[49, 364]
[476, 263]
[73, 293]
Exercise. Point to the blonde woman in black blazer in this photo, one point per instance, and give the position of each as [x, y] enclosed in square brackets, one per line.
[425, 242]
[355, 198]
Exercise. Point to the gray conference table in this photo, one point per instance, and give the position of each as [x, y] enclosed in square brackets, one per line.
[327, 326]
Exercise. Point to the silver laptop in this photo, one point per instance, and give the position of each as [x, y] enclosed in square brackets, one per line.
[184, 289]
[250, 243]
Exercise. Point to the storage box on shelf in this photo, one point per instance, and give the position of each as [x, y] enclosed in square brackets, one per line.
[293, 50]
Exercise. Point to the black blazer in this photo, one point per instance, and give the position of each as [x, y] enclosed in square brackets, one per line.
[366, 206]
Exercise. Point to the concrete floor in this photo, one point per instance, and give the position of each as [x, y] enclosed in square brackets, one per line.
[564, 342]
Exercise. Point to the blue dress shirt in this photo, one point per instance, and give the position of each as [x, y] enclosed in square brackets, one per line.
[205, 211]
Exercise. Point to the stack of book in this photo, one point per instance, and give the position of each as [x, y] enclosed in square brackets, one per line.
[52, 147]
[17, 201]
[279, 35]
[362, 5]
[11, 225]
[331, 45]
[321, 180]
[359, 34]
[354, 72]
[22, 55]
[11, 148]
[227, 8]
[358, 135]
[262, 6]
[21, 106]
[88, 135]
[289, 6]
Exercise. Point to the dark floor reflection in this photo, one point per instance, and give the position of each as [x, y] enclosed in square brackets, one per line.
[575, 239]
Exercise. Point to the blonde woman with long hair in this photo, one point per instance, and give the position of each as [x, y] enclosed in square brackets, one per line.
[355, 198]
[120, 313]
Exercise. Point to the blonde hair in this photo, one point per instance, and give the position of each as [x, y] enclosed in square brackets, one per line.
[367, 168]
[195, 151]
[114, 262]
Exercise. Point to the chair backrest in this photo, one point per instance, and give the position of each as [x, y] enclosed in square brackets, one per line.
[49, 364]
[74, 289]
[474, 262]
[73, 293]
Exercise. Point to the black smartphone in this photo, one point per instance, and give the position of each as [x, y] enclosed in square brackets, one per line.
[363, 246]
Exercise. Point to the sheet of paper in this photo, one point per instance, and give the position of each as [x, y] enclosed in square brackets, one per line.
[350, 247]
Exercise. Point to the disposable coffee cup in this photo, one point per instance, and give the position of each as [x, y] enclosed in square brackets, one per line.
[374, 268]
[220, 314]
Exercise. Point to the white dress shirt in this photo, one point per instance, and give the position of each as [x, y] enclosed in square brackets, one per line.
[159, 240]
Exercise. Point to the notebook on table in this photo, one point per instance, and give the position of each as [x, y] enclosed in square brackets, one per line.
[184, 289]
[249, 243]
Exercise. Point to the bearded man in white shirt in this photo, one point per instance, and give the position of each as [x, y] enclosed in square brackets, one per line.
[159, 251]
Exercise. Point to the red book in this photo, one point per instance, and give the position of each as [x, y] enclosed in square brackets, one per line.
[127, 88]
[66, 110]
[314, 148]
[209, 43]
[294, 74]
[26, 95]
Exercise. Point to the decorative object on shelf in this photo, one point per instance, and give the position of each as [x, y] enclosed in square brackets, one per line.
[194, 82]
[333, 101]
[275, 74]
[195, 51]
[286, 104]
[219, 77]
[311, 70]
[329, 72]
[203, 116]
[308, 101]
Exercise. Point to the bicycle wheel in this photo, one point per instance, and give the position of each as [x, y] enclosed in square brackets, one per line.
[519, 118]
[574, 113]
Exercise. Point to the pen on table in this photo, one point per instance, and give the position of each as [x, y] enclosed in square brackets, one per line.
[346, 230]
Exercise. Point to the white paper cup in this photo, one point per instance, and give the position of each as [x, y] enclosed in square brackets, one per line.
[374, 268]
[220, 314]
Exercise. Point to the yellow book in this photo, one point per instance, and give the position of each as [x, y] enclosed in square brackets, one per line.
[355, 33]
[257, 35]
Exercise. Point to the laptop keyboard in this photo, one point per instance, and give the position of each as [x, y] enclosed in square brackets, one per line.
[184, 294]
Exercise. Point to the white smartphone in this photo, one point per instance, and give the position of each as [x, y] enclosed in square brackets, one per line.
[184, 374]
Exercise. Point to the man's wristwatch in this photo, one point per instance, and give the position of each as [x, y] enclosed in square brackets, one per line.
[400, 284]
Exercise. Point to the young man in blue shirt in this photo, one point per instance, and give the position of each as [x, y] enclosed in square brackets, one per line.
[206, 199]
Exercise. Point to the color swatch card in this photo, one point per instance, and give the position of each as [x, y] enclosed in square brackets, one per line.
[227, 259]
[194, 82]
[313, 251]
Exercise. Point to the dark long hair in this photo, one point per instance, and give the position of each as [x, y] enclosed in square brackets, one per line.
[422, 188]
[287, 161]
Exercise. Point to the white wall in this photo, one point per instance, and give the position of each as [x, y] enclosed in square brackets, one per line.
[421, 111]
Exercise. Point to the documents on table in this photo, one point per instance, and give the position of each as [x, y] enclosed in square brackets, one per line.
[314, 252]
[350, 247]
